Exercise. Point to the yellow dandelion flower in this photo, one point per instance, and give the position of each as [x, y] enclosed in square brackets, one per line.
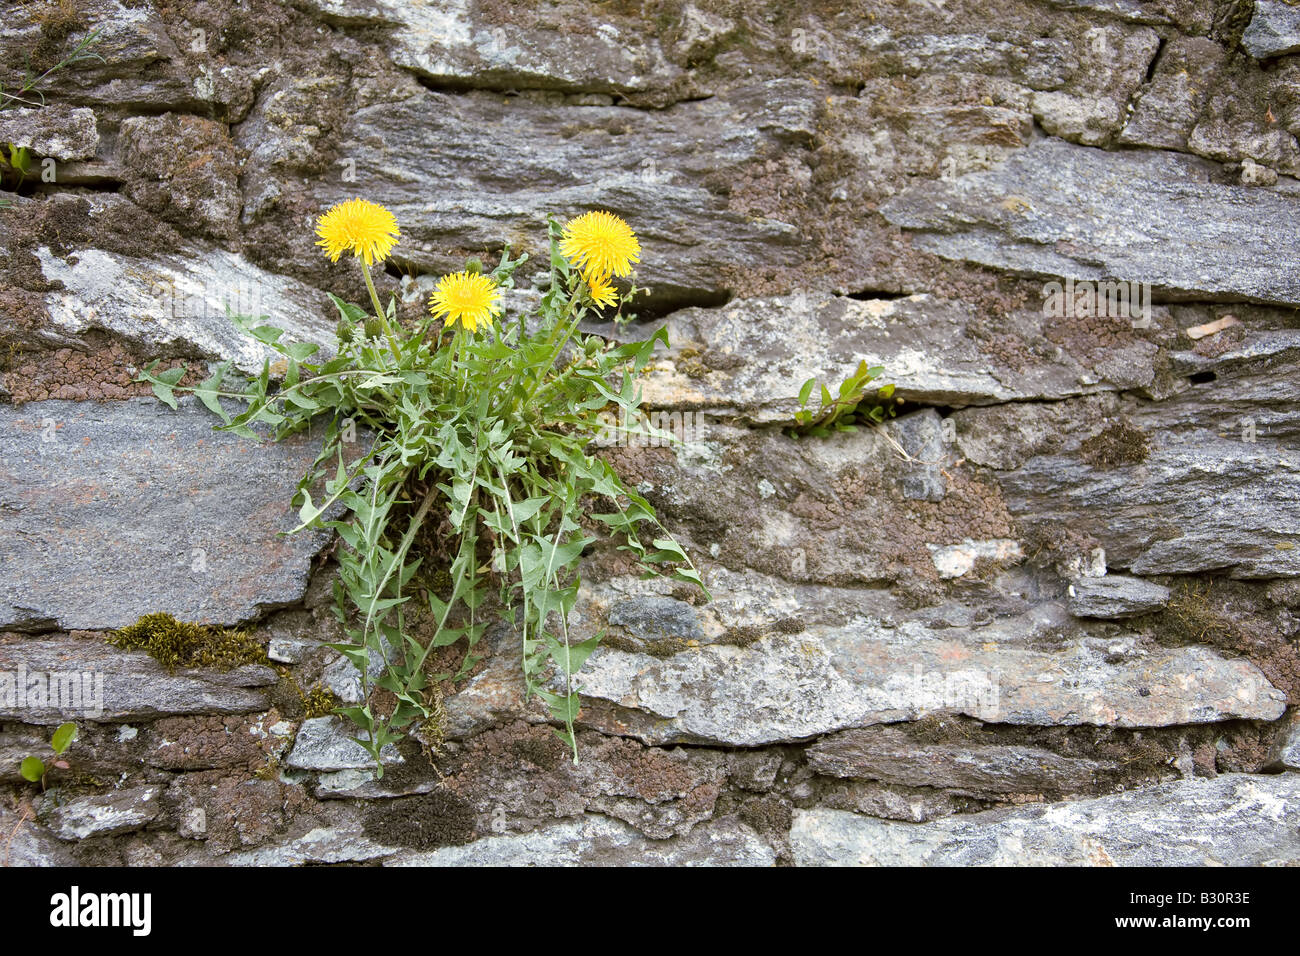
[467, 298]
[363, 228]
[601, 291]
[601, 244]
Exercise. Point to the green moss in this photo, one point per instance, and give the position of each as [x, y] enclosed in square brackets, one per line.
[175, 643]
[318, 702]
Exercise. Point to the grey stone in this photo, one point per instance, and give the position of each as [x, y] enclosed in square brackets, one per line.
[1166, 110]
[890, 801]
[1274, 29]
[1198, 502]
[1232, 820]
[327, 744]
[1091, 214]
[646, 165]
[179, 302]
[30, 844]
[782, 689]
[451, 45]
[594, 840]
[132, 684]
[57, 132]
[656, 618]
[987, 770]
[1287, 753]
[1115, 596]
[101, 815]
[758, 352]
[338, 843]
[115, 510]
[137, 66]
[1092, 109]
[921, 435]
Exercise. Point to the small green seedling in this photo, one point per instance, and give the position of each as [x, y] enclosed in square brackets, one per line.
[845, 412]
[34, 769]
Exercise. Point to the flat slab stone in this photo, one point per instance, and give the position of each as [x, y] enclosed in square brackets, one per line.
[101, 815]
[1115, 596]
[594, 840]
[1232, 820]
[91, 679]
[180, 302]
[827, 679]
[889, 755]
[110, 511]
[1061, 210]
[756, 353]
[1202, 503]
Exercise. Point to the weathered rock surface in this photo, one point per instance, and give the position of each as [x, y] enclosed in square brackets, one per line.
[1233, 820]
[646, 164]
[753, 355]
[326, 744]
[59, 133]
[889, 755]
[73, 678]
[119, 811]
[1056, 209]
[116, 510]
[179, 303]
[1274, 29]
[31, 844]
[1166, 110]
[792, 688]
[1198, 504]
[1115, 596]
[598, 841]
[812, 187]
[454, 44]
[1288, 745]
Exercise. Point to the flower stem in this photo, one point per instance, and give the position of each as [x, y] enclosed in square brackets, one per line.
[379, 309]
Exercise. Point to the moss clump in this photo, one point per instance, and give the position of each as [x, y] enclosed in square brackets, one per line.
[318, 702]
[1189, 618]
[1121, 444]
[175, 643]
[742, 635]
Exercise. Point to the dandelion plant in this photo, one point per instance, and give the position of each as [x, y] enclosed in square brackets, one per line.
[479, 432]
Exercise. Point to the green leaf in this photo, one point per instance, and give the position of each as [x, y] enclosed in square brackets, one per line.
[301, 350]
[33, 769]
[570, 658]
[63, 737]
[208, 388]
[806, 391]
[164, 394]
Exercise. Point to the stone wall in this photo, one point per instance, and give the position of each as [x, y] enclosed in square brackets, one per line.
[1064, 632]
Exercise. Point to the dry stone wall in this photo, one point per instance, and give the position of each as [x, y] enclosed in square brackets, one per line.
[1064, 632]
